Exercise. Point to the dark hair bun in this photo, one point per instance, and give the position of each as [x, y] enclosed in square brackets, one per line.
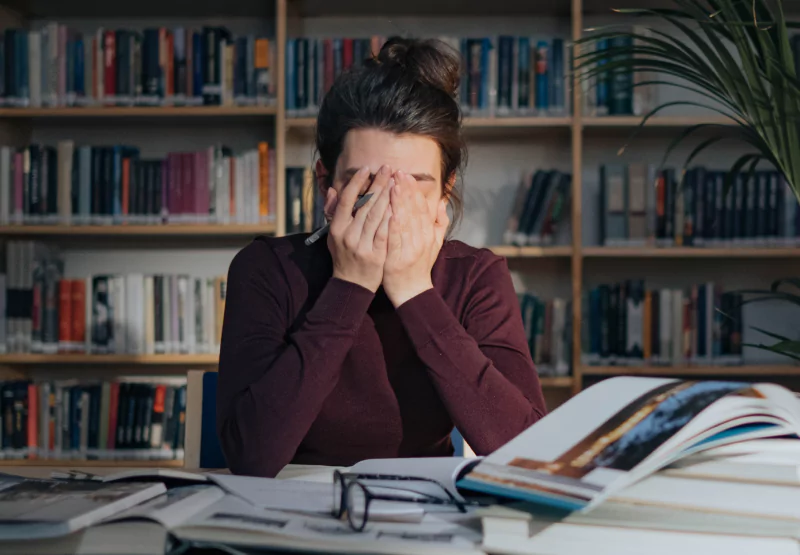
[431, 61]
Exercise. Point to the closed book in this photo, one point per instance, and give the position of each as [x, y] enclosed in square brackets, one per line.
[614, 208]
[637, 204]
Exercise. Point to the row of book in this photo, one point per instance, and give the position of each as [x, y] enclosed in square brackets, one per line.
[129, 418]
[69, 184]
[134, 313]
[548, 327]
[642, 206]
[304, 201]
[502, 76]
[540, 206]
[629, 324]
[59, 66]
[618, 91]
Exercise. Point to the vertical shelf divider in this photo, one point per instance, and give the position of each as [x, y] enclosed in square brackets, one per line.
[577, 236]
[280, 118]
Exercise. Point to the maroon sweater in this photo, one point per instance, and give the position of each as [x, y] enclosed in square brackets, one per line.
[318, 370]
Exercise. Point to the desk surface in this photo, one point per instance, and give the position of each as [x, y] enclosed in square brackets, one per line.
[291, 472]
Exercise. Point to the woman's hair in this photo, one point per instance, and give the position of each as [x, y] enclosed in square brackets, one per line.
[409, 87]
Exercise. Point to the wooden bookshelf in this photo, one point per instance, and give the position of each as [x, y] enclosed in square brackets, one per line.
[557, 382]
[655, 121]
[167, 230]
[140, 111]
[691, 252]
[209, 359]
[533, 122]
[118, 464]
[511, 251]
[692, 370]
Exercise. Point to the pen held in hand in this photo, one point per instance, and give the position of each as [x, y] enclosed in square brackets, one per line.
[314, 237]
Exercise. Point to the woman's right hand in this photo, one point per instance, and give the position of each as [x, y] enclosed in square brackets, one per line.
[358, 243]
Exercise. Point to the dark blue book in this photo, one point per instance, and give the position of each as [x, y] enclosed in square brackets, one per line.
[301, 74]
[542, 83]
[738, 217]
[557, 75]
[595, 313]
[621, 80]
[523, 73]
[761, 206]
[338, 62]
[751, 193]
[80, 75]
[773, 211]
[463, 92]
[21, 61]
[151, 78]
[2, 69]
[603, 102]
[291, 75]
[197, 64]
[505, 55]
[486, 49]
[75, 393]
[10, 65]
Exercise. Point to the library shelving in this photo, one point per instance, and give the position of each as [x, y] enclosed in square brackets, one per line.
[691, 252]
[169, 230]
[16, 125]
[29, 359]
[140, 111]
[694, 370]
[117, 463]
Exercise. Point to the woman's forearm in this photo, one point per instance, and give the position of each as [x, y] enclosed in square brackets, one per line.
[483, 373]
[273, 382]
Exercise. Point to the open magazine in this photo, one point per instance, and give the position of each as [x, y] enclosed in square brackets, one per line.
[623, 429]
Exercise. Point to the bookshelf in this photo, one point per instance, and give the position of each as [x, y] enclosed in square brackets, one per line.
[574, 138]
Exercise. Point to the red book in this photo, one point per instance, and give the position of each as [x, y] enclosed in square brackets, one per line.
[113, 408]
[188, 184]
[347, 53]
[33, 417]
[64, 314]
[200, 186]
[110, 64]
[157, 429]
[173, 166]
[78, 334]
[170, 64]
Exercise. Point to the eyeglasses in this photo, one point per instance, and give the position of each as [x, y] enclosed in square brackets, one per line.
[352, 497]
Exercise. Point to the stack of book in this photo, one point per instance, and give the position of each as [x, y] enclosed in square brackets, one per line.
[627, 324]
[57, 66]
[104, 314]
[503, 76]
[541, 205]
[109, 185]
[129, 418]
[635, 465]
[641, 206]
[548, 327]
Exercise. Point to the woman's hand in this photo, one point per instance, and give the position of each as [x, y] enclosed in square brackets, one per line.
[358, 243]
[415, 238]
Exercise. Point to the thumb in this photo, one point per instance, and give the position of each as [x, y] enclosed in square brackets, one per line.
[442, 221]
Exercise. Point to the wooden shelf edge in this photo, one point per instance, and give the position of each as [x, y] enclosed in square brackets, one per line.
[172, 359]
[532, 122]
[141, 230]
[555, 382]
[658, 121]
[77, 463]
[691, 252]
[157, 111]
[746, 370]
[511, 251]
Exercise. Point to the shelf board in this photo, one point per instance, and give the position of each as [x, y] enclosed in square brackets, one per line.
[139, 111]
[691, 252]
[511, 251]
[656, 121]
[471, 123]
[208, 359]
[77, 463]
[168, 230]
[556, 382]
[690, 370]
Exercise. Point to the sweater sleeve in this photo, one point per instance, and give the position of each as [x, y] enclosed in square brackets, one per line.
[273, 381]
[482, 369]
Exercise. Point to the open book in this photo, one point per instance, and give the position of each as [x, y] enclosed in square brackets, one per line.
[623, 429]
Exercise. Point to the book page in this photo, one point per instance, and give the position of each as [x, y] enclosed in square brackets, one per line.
[173, 507]
[619, 424]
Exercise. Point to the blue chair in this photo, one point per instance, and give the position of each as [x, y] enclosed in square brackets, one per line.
[201, 444]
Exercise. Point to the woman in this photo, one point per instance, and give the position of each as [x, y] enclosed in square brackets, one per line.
[377, 340]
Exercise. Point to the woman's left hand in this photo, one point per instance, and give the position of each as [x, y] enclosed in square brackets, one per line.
[415, 238]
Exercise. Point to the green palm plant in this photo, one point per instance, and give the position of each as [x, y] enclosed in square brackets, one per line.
[735, 58]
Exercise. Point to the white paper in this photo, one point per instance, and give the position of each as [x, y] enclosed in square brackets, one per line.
[284, 495]
[443, 470]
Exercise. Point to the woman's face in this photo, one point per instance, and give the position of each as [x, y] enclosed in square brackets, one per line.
[416, 155]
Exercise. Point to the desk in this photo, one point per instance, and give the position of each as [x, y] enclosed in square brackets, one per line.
[308, 472]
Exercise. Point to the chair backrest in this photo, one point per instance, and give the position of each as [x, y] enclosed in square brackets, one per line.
[201, 444]
[202, 449]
